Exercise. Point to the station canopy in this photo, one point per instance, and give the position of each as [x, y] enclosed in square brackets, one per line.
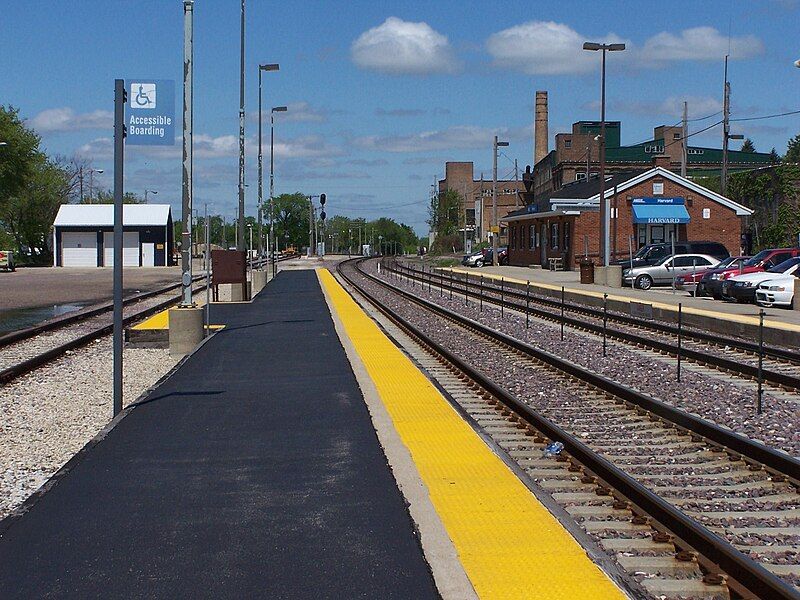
[660, 213]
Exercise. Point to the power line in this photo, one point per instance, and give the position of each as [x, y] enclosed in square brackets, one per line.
[784, 114]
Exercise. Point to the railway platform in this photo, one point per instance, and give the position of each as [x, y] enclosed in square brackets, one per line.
[298, 452]
[781, 326]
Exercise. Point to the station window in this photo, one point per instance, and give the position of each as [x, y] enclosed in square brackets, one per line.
[532, 237]
[566, 236]
[554, 235]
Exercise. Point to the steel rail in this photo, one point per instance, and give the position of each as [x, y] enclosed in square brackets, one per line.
[712, 338]
[739, 567]
[748, 371]
[83, 315]
[26, 366]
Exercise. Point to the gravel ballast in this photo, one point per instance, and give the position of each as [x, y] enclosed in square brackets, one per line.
[711, 397]
[51, 413]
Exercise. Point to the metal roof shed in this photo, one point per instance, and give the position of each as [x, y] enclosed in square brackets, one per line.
[83, 235]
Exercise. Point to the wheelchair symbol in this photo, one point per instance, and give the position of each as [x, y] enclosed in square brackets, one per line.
[143, 95]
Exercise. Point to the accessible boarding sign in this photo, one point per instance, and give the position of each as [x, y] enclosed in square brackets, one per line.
[150, 112]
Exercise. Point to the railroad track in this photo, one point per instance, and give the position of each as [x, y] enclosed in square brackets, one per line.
[28, 349]
[682, 502]
[780, 367]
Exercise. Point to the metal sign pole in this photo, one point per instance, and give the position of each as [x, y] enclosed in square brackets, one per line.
[680, 337]
[208, 274]
[119, 154]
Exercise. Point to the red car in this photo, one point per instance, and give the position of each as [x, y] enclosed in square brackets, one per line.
[696, 283]
[762, 261]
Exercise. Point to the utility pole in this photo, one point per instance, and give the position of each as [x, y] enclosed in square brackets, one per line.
[80, 178]
[495, 222]
[726, 98]
[588, 160]
[311, 250]
[465, 218]
[240, 231]
[684, 135]
[186, 234]
[516, 178]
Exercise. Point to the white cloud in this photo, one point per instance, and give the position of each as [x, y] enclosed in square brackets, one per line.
[297, 112]
[543, 48]
[698, 43]
[223, 146]
[400, 47]
[66, 119]
[672, 106]
[458, 137]
[549, 48]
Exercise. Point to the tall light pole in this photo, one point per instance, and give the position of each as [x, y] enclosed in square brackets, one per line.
[272, 176]
[605, 214]
[240, 234]
[261, 68]
[186, 196]
[91, 181]
[148, 192]
[495, 222]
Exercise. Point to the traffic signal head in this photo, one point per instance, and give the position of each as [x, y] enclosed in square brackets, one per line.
[322, 199]
[322, 215]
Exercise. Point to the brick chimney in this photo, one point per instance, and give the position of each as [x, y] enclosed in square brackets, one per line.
[540, 142]
[662, 160]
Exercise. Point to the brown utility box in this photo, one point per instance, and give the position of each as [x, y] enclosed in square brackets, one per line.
[587, 271]
[228, 266]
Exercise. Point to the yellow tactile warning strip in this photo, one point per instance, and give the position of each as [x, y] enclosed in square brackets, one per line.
[160, 320]
[746, 319]
[509, 544]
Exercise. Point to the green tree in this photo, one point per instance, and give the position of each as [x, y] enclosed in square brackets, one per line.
[774, 157]
[793, 150]
[748, 146]
[107, 197]
[291, 220]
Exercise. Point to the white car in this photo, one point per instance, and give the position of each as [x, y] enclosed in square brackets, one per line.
[776, 292]
[742, 288]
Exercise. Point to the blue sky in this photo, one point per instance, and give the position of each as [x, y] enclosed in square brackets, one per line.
[382, 93]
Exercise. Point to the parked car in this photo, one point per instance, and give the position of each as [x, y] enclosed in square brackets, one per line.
[778, 291]
[476, 259]
[742, 288]
[662, 272]
[502, 256]
[696, 282]
[652, 254]
[7, 260]
[762, 261]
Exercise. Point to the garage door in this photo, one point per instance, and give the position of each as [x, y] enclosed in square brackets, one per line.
[79, 249]
[130, 249]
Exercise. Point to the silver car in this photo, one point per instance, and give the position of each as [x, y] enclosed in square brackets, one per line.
[664, 270]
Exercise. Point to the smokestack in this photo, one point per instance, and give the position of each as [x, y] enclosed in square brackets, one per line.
[540, 141]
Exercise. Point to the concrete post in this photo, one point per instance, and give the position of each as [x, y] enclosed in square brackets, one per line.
[796, 298]
[614, 276]
[259, 281]
[185, 329]
[601, 275]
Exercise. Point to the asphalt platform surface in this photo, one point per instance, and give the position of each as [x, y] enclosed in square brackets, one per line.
[254, 471]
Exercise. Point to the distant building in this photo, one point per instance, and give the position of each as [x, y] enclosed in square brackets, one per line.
[578, 153]
[650, 206]
[460, 177]
[83, 235]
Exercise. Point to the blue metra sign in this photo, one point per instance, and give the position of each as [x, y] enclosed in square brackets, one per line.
[150, 112]
[659, 200]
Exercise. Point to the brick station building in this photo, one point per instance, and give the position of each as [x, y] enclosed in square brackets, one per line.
[646, 207]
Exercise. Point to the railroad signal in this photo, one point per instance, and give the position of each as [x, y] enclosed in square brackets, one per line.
[322, 199]
[322, 215]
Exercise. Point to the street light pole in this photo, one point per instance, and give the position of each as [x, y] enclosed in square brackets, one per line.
[605, 214]
[261, 68]
[240, 235]
[148, 191]
[272, 176]
[186, 201]
[495, 223]
[91, 181]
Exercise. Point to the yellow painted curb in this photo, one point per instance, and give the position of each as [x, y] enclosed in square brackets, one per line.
[509, 544]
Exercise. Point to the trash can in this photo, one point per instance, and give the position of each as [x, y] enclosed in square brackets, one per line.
[587, 271]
